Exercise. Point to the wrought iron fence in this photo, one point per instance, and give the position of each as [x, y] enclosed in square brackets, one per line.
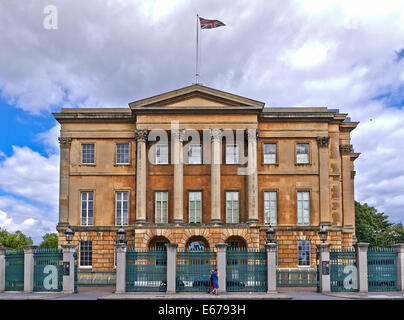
[288, 277]
[76, 272]
[14, 270]
[343, 270]
[246, 269]
[146, 269]
[382, 269]
[193, 269]
[48, 270]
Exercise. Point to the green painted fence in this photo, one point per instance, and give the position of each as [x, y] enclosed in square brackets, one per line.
[193, 269]
[48, 270]
[76, 272]
[246, 270]
[14, 270]
[146, 269]
[343, 270]
[382, 269]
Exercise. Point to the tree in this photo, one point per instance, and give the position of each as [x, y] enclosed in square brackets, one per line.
[50, 240]
[374, 228]
[14, 240]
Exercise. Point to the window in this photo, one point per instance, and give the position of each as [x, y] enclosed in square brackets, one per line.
[269, 153]
[195, 154]
[87, 208]
[86, 253]
[162, 154]
[303, 207]
[121, 207]
[161, 207]
[302, 153]
[303, 253]
[270, 207]
[231, 154]
[122, 153]
[232, 207]
[87, 153]
[195, 207]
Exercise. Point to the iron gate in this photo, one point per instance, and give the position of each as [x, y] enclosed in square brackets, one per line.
[295, 277]
[146, 269]
[193, 269]
[48, 267]
[246, 270]
[382, 269]
[15, 270]
[343, 270]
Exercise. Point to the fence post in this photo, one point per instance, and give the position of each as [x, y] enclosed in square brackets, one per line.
[325, 283]
[68, 262]
[171, 267]
[29, 252]
[221, 265]
[399, 248]
[120, 249]
[271, 249]
[361, 249]
[2, 268]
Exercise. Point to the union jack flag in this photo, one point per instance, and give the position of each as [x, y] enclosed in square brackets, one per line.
[209, 24]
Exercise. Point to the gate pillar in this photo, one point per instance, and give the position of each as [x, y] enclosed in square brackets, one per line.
[325, 283]
[68, 265]
[171, 267]
[221, 265]
[120, 267]
[362, 265]
[399, 248]
[29, 252]
[271, 249]
[2, 268]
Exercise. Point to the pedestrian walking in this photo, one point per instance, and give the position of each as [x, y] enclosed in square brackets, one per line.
[215, 278]
[211, 282]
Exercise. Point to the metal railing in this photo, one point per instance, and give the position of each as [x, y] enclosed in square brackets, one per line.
[382, 269]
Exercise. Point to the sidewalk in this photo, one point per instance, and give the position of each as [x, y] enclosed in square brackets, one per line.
[393, 295]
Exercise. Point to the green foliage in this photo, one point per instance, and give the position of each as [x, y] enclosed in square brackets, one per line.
[50, 240]
[374, 228]
[14, 240]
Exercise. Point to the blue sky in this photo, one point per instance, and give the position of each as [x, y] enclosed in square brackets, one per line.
[345, 55]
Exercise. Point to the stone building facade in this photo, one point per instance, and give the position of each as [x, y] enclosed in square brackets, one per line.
[143, 167]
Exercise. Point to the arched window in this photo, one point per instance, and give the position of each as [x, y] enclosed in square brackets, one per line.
[196, 243]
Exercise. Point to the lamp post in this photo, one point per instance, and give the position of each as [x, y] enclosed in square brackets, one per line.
[69, 234]
[121, 234]
[323, 234]
[270, 234]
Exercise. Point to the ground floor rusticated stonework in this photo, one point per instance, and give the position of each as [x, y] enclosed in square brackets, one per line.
[287, 238]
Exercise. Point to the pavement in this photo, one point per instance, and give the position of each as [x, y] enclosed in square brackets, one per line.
[107, 293]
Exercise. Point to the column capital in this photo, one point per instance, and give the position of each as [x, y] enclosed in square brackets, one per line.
[361, 246]
[271, 246]
[346, 148]
[221, 246]
[324, 247]
[323, 142]
[29, 249]
[171, 246]
[65, 142]
[252, 134]
[68, 247]
[120, 247]
[216, 134]
[178, 134]
[141, 135]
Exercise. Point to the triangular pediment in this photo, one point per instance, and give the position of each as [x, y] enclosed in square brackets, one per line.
[195, 97]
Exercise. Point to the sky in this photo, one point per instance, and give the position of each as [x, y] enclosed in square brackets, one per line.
[346, 55]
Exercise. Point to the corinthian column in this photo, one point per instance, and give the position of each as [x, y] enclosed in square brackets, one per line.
[65, 144]
[323, 156]
[252, 176]
[348, 203]
[141, 157]
[177, 138]
[216, 140]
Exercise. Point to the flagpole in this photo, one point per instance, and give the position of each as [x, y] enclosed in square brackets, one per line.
[197, 44]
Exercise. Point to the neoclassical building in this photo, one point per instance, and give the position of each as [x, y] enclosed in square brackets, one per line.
[199, 166]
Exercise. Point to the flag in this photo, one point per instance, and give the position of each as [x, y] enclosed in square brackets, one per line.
[209, 24]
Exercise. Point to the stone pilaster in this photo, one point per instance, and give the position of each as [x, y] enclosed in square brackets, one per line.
[68, 257]
[29, 252]
[362, 265]
[325, 280]
[399, 249]
[348, 204]
[216, 157]
[120, 267]
[323, 143]
[65, 145]
[221, 265]
[141, 158]
[271, 249]
[177, 137]
[252, 176]
[171, 267]
[2, 268]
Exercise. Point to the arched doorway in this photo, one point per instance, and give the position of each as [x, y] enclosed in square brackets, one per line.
[195, 243]
[236, 242]
[158, 242]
